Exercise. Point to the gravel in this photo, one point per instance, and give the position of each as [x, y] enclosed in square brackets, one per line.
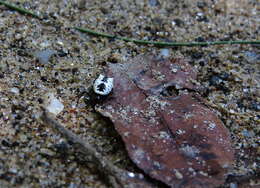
[32, 155]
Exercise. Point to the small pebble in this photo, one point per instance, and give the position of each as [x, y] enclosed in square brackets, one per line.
[252, 57]
[201, 17]
[197, 55]
[233, 185]
[164, 53]
[15, 90]
[178, 22]
[224, 76]
[131, 174]
[215, 81]
[200, 39]
[53, 104]
[178, 174]
[201, 5]
[248, 134]
[255, 106]
[47, 152]
[153, 3]
[13, 170]
[44, 55]
[6, 143]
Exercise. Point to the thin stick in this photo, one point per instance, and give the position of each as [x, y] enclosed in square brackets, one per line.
[117, 177]
[163, 44]
[19, 9]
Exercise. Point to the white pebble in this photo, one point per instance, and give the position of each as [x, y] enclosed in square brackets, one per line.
[200, 14]
[15, 90]
[53, 104]
[165, 52]
[131, 174]
[174, 70]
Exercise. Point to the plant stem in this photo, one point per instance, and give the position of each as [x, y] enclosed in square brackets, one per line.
[19, 9]
[143, 42]
[163, 44]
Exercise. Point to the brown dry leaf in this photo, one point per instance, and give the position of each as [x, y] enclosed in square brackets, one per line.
[175, 139]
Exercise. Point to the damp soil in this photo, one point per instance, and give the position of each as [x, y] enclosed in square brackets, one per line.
[33, 155]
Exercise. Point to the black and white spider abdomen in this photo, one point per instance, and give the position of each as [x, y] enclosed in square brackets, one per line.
[103, 85]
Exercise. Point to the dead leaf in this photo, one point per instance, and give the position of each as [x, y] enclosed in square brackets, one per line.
[173, 138]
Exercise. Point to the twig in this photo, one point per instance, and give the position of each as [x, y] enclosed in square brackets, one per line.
[117, 177]
[163, 44]
[19, 9]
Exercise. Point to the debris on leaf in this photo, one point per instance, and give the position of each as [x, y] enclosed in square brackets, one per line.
[168, 130]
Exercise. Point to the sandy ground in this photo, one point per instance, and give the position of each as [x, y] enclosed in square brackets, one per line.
[33, 155]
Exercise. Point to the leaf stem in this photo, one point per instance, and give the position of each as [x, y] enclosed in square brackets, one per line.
[19, 9]
[163, 44]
